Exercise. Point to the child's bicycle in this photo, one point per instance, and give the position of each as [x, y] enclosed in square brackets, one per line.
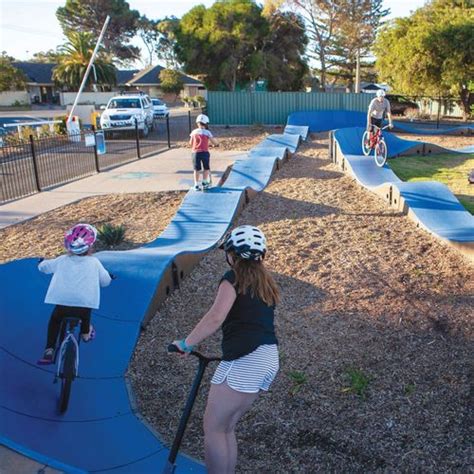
[375, 141]
[67, 358]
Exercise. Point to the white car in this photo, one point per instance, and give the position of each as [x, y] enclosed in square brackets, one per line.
[123, 111]
[159, 109]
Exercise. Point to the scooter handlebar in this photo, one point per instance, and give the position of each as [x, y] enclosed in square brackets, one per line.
[173, 348]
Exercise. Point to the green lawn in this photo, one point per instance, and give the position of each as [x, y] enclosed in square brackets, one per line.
[450, 169]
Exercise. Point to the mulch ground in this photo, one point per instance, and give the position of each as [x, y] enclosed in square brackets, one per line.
[375, 328]
[375, 332]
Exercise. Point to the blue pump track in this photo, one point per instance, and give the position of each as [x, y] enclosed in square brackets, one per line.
[326, 120]
[101, 416]
[429, 203]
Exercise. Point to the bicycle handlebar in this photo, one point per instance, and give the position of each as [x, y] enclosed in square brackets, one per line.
[174, 348]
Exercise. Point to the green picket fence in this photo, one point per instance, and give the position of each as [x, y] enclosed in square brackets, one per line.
[247, 108]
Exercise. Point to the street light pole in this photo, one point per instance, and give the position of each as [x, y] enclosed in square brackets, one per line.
[89, 67]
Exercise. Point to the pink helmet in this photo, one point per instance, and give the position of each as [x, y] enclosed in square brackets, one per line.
[80, 238]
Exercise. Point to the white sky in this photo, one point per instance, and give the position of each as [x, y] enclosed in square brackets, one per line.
[29, 26]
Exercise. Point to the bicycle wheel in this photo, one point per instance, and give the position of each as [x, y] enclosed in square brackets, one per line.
[67, 376]
[366, 143]
[380, 153]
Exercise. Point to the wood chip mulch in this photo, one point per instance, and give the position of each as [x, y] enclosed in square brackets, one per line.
[375, 326]
[367, 295]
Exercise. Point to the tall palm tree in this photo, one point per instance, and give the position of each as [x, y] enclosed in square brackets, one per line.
[74, 58]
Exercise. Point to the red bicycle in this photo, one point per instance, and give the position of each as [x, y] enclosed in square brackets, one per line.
[375, 141]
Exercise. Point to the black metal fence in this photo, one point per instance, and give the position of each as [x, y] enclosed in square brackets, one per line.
[36, 164]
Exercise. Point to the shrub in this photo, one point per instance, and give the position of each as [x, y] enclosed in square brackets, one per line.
[110, 234]
[200, 100]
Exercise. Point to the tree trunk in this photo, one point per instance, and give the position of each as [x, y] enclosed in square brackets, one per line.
[467, 99]
[322, 59]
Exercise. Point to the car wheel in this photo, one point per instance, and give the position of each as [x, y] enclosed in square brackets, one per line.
[144, 131]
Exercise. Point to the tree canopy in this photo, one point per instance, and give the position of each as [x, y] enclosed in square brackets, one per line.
[11, 78]
[166, 46]
[355, 30]
[171, 81]
[232, 43]
[88, 16]
[431, 52]
[338, 32]
[283, 51]
[74, 58]
[50, 56]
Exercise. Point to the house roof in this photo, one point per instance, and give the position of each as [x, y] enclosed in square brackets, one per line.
[123, 76]
[39, 73]
[42, 73]
[151, 76]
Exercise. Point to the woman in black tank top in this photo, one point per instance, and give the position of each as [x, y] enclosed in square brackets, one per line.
[244, 307]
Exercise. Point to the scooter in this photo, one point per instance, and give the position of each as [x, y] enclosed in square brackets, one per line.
[183, 422]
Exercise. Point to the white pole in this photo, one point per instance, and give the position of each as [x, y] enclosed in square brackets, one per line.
[89, 66]
[357, 84]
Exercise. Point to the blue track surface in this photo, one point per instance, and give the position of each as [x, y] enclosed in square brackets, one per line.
[350, 142]
[101, 416]
[432, 204]
[457, 130]
[325, 120]
[301, 130]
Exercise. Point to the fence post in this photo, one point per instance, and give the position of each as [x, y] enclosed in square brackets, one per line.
[168, 130]
[439, 112]
[137, 138]
[96, 156]
[189, 121]
[35, 164]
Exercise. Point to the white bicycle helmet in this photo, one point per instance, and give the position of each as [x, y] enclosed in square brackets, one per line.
[201, 118]
[380, 93]
[247, 242]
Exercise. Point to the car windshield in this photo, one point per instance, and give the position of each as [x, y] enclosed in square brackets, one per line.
[157, 102]
[125, 104]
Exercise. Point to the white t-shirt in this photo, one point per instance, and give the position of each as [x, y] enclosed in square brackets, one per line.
[377, 108]
[76, 280]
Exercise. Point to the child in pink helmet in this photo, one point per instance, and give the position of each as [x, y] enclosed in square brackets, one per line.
[75, 285]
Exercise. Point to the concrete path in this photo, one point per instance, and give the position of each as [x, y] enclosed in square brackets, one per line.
[13, 463]
[167, 171]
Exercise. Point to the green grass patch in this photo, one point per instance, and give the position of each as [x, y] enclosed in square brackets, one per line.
[358, 382]
[298, 379]
[448, 168]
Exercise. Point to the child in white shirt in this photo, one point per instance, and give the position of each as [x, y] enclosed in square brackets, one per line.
[75, 286]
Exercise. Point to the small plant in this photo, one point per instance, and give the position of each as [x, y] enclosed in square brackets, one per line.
[417, 272]
[111, 235]
[298, 379]
[409, 389]
[359, 382]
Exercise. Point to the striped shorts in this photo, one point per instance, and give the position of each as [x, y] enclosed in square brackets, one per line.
[250, 373]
